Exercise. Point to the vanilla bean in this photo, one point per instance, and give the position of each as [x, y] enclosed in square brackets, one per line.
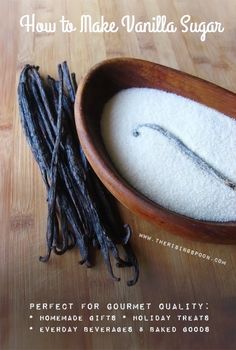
[199, 161]
[51, 230]
[28, 113]
[69, 85]
[78, 203]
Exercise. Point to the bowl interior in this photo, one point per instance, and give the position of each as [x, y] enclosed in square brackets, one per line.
[105, 80]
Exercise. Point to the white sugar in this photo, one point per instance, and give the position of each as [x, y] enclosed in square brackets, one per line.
[156, 167]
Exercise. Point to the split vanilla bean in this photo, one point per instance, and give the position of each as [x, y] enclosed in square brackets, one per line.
[199, 161]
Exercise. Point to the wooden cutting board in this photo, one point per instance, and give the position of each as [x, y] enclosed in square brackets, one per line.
[167, 274]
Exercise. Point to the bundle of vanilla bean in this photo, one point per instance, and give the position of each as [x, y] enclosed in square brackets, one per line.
[81, 212]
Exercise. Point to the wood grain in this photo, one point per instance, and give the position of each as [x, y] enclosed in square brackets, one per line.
[166, 274]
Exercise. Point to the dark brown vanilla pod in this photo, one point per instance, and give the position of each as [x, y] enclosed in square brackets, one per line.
[193, 156]
[42, 147]
[78, 202]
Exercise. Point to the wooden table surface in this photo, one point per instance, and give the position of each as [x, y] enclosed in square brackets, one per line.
[167, 275]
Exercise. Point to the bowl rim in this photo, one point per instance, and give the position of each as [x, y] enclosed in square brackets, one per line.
[109, 176]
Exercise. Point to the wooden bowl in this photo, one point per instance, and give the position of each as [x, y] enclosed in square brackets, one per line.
[100, 84]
